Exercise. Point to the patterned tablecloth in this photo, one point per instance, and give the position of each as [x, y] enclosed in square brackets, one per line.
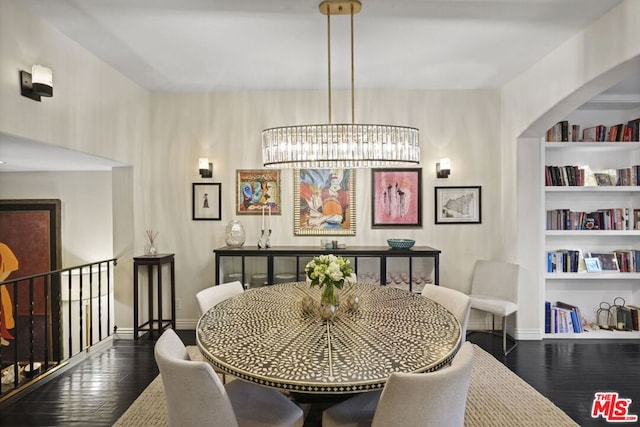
[265, 336]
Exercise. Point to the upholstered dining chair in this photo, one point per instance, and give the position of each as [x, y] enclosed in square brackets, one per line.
[411, 400]
[206, 299]
[455, 301]
[494, 290]
[209, 297]
[196, 397]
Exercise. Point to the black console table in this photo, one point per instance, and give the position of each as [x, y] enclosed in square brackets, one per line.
[273, 264]
[151, 261]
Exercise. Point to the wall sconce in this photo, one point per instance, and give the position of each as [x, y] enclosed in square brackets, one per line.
[36, 84]
[443, 168]
[206, 168]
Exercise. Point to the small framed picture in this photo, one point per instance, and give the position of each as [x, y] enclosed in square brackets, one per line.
[593, 265]
[207, 201]
[458, 205]
[603, 179]
[608, 261]
[396, 199]
[257, 190]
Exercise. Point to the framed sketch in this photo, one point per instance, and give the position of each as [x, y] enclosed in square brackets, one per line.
[257, 189]
[593, 265]
[458, 205]
[324, 202]
[207, 201]
[608, 261]
[396, 199]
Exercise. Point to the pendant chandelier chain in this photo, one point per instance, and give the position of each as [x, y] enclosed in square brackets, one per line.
[353, 92]
[353, 96]
[329, 56]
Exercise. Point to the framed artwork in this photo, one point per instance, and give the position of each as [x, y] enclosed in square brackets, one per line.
[30, 244]
[207, 201]
[608, 261]
[324, 202]
[458, 205]
[257, 189]
[593, 265]
[396, 199]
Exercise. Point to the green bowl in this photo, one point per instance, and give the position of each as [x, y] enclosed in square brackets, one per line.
[401, 243]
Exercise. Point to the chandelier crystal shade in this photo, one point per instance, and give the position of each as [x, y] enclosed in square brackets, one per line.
[340, 146]
[326, 146]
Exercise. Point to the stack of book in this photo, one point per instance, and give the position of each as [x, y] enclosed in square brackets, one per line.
[562, 318]
[602, 219]
[621, 132]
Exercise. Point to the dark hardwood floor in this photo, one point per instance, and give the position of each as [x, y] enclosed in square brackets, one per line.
[100, 389]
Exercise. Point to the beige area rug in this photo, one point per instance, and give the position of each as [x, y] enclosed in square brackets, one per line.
[497, 397]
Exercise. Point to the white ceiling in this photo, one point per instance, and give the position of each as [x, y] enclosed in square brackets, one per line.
[202, 45]
[196, 45]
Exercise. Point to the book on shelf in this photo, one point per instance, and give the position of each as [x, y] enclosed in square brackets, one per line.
[563, 131]
[575, 315]
[547, 317]
[636, 219]
[634, 316]
[594, 133]
[562, 318]
[628, 260]
[634, 129]
[572, 175]
[565, 261]
[559, 132]
[602, 219]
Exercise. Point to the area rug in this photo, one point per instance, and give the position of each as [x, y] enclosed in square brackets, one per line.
[497, 397]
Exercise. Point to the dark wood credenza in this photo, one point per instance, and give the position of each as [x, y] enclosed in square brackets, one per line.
[405, 268]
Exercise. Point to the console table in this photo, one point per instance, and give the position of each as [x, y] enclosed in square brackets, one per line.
[244, 262]
[151, 262]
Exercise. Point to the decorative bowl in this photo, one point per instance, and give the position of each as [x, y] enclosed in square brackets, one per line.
[401, 243]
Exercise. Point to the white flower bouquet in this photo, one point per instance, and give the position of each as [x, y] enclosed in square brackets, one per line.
[329, 272]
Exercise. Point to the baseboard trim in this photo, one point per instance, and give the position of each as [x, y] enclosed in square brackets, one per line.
[181, 325]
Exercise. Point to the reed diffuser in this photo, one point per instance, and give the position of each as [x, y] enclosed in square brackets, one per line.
[152, 249]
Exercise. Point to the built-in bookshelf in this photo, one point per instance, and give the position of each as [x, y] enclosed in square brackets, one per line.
[592, 212]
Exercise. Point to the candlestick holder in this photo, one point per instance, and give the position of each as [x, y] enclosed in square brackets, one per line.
[267, 243]
[261, 241]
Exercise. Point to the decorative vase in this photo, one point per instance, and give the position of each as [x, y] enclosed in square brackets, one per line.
[234, 233]
[329, 295]
[328, 311]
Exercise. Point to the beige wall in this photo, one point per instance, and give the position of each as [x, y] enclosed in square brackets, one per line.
[94, 109]
[226, 128]
[87, 232]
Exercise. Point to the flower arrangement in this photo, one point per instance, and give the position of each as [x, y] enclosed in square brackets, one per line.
[329, 272]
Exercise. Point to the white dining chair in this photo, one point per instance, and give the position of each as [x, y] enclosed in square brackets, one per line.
[411, 400]
[494, 290]
[455, 301]
[209, 297]
[196, 397]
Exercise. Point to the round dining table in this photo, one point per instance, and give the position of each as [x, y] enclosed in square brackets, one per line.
[271, 337]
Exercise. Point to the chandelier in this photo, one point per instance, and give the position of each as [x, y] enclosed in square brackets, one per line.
[326, 146]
